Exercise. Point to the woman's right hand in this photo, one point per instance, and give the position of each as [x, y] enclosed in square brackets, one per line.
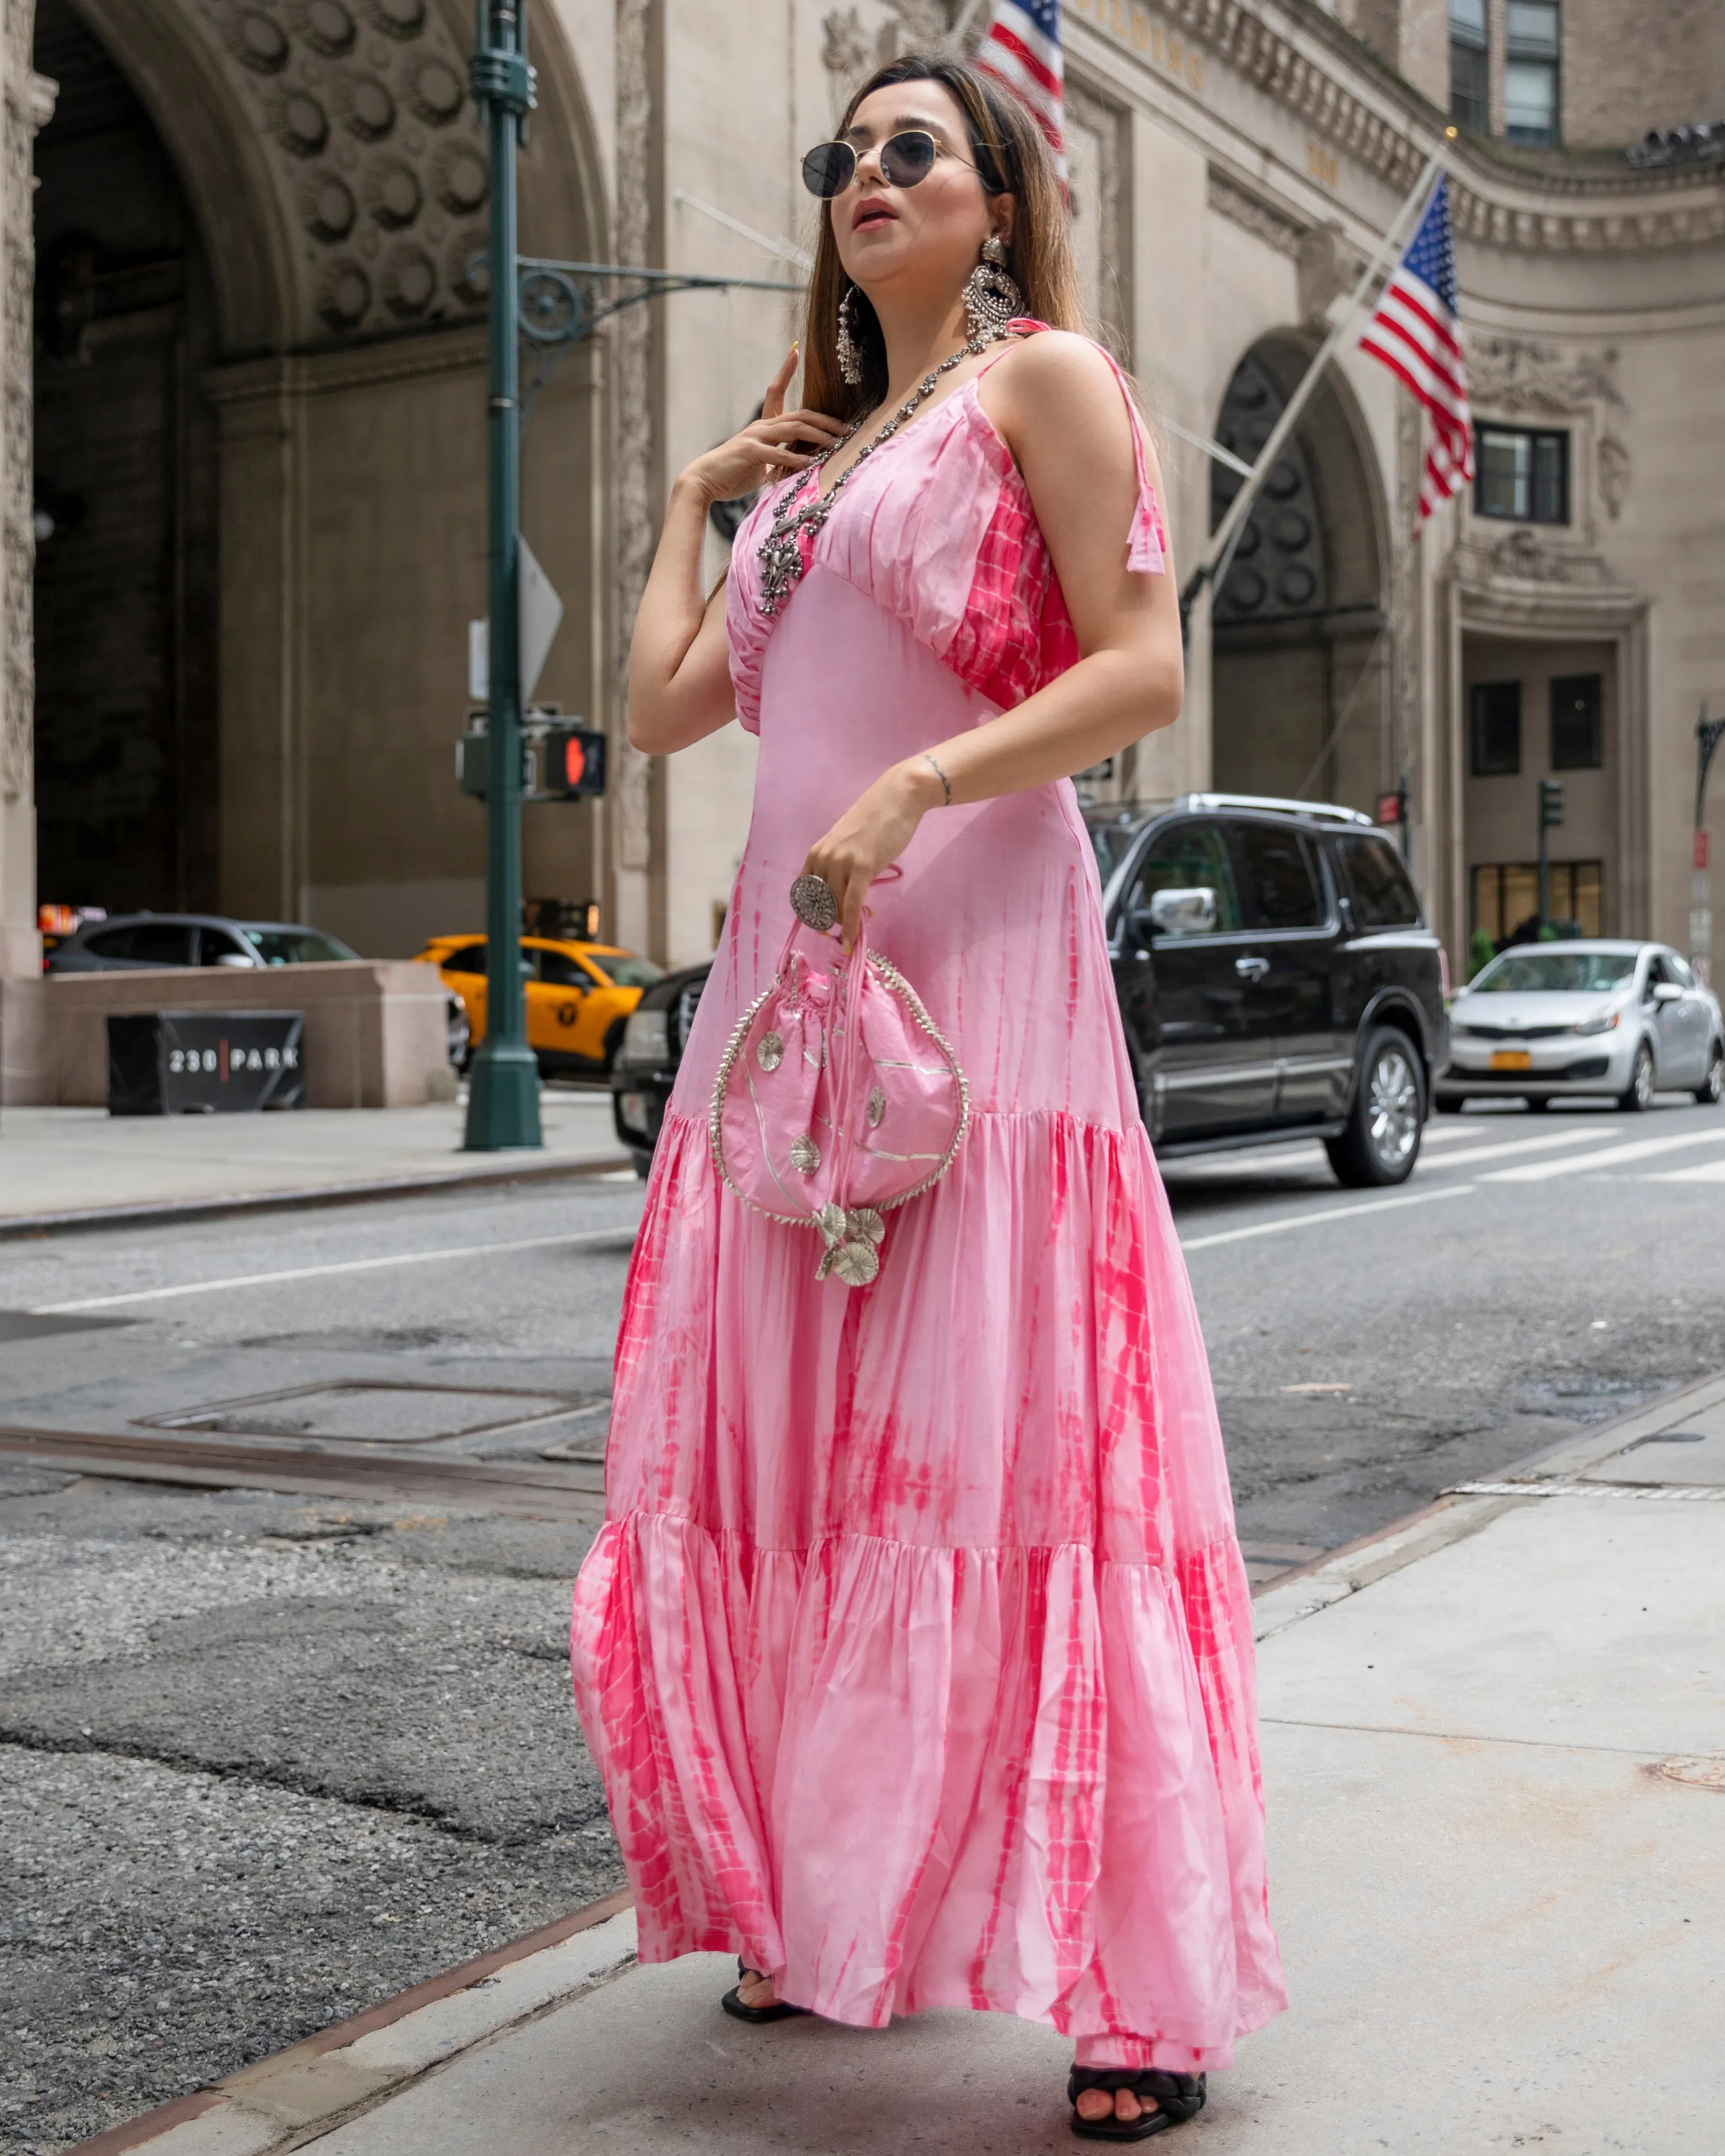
[778, 443]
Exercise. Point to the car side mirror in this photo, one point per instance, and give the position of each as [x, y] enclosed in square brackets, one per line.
[234, 958]
[1666, 992]
[1183, 912]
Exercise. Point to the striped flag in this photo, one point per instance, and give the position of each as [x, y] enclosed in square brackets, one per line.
[1417, 333]
[1022, 49]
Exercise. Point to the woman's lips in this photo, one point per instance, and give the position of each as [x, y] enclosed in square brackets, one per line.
[875, 212]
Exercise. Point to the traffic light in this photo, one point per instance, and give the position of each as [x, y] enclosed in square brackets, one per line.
[1551, 803]
[572, 762]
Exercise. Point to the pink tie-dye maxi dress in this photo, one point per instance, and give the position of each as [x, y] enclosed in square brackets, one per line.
[916, 1650]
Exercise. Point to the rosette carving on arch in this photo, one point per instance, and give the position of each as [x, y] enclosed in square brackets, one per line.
[374, 146]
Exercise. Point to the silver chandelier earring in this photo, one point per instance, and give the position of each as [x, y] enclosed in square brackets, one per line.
[849, 358]
[991, 298]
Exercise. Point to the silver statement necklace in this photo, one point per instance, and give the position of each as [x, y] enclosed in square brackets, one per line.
[781, 552]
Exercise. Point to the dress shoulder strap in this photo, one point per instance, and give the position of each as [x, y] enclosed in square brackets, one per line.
[1147, 543]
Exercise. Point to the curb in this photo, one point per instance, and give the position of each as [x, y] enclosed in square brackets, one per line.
[245, 2094]
[1452, 1517]
[292, 1201]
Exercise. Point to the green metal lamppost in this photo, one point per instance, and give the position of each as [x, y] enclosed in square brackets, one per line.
[553, 306]
[503, 1102]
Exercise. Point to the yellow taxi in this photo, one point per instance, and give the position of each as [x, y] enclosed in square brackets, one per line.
[579, 995]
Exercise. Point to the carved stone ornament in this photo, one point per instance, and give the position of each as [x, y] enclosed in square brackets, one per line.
[1511, 374]
[339, 95]
[845, 51]
[1519, 555]
[631, 344]
[1253, 214]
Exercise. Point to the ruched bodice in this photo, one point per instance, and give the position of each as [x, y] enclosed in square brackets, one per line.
[916, 1649]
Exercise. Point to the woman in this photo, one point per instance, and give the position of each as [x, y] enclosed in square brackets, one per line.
[916, 1650]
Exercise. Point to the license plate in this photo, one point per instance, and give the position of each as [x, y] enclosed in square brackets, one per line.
[1511, 1059]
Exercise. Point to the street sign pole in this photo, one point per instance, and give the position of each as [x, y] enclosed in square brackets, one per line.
[503, 1100]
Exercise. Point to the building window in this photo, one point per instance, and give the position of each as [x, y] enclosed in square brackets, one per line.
[1578, 726]
[1505, 897]
[1495, 731]
[1521, 473]
[1530, 73]
[1470, 94]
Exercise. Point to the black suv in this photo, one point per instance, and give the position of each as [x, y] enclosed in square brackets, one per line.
[1276, 976]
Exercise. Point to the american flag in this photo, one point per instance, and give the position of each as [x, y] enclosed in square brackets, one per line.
[1417, 334]
[1021, 48]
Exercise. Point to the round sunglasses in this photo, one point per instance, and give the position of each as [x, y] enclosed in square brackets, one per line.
[906, 161]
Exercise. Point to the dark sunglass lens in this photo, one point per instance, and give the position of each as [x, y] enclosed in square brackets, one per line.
[827, 169]
[907, 158]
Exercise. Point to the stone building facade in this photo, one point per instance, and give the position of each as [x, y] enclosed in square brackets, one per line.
[244, 393]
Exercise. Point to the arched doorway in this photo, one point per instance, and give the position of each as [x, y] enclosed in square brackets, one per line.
[261, 345]
[1301, 658]
[126, 747]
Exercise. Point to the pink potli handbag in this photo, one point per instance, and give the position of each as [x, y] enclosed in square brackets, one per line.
[838, 1099]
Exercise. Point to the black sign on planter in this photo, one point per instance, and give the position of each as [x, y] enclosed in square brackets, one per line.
[205, 1063]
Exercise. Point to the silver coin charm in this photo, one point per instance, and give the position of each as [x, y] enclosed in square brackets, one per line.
[815, 904]
[771, 1052]
[805, 1155]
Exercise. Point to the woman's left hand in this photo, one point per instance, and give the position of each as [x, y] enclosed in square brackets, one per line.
[869, 837]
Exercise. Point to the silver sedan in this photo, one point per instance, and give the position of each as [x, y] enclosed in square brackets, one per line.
[1546, 1021]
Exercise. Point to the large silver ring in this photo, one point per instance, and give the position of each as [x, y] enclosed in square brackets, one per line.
[813, 903]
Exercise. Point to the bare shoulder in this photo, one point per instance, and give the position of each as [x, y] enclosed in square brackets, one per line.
[1056, 383]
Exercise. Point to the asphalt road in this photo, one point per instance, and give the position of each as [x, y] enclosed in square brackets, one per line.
[265, 1759]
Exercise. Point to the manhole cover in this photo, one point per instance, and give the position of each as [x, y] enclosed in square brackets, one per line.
[1705, 1774]
[370, 1412]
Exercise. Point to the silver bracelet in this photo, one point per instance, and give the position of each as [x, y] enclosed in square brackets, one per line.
[946, 783]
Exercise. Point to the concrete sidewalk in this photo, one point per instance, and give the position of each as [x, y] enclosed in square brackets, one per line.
[59, 1166]
[1495, 1756]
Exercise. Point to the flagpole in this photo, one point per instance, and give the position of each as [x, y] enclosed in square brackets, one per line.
[1222, 540]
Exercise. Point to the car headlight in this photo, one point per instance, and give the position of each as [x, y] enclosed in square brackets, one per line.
[646, 1039]
[1605, 1023]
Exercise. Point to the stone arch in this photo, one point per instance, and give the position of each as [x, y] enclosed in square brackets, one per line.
[336, 177]
[1299, 657]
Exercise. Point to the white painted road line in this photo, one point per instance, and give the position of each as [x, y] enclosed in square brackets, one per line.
[599, 1239]
[1541, 1171]
[1329, 1213]
[1709, 1171]
[1547, 1144]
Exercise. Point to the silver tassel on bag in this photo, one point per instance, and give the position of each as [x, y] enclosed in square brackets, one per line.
[991, 298]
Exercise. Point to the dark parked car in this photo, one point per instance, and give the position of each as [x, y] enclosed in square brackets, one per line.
[135, 943]
[1276, 975]
[131, 941]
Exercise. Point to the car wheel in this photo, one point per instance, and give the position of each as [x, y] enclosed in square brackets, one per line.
[1638, 1094]
[1711, 1089]
[1381, 1143]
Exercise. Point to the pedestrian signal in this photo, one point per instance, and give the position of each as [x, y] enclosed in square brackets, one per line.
[572, 762]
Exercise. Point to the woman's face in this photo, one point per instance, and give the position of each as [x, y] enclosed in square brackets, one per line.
[928, 235]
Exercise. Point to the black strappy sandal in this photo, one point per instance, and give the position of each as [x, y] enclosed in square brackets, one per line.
[733, 2006]
[1177, 2098]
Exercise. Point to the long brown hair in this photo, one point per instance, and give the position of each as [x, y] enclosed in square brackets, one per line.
[1012, 158]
